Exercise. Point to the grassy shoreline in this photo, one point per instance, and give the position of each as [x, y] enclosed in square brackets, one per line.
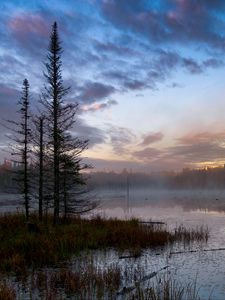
[94, 283]
[21, 249]
[26, 253]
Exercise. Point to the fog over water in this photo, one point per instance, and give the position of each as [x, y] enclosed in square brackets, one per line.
[152, 204]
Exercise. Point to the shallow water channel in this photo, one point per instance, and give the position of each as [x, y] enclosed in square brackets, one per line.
[190, 208]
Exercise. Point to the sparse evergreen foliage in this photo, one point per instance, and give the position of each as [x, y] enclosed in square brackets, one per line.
[63, 149]
[20, 147]
[57, 179]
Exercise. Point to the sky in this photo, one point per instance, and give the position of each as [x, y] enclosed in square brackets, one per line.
[149, 76]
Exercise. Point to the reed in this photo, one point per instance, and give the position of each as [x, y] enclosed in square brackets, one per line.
[167, 289]
[21, 248]
[92, 282]
[7, 292]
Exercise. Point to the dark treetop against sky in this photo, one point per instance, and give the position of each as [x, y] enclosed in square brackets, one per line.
[149, 75]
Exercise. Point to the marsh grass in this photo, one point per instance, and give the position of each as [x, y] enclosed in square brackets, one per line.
[194, 234]
[20, 248]
[93, 282]
[167, 289]
[89, 282]
[7, 292]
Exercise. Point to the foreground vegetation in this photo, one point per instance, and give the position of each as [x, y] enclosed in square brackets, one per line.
[90, 282]
[35, 258]
[24, 246]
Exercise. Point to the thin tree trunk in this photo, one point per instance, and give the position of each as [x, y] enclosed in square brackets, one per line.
[56, 142]
[26, 197]
[65, 196]
[41, 153]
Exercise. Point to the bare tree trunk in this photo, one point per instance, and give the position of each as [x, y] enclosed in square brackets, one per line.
[41, 153]
[26, 196]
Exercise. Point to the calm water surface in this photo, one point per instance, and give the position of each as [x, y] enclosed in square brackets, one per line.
[191, 208]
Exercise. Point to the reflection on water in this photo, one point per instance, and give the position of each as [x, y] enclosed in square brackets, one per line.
[10, 203]
[208, 200]
[190, 208]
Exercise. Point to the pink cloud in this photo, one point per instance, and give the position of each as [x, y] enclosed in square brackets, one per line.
[147, 154]
[173, 16]
[98, 106]
[152, 138]
[187, 6]
[202, 137]
[25, 24]
[7, 91]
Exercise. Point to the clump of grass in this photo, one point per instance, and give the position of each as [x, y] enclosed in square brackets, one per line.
[200, 233]
[87, 282]
[7, 292]
[21, 248]
[93, 282]
[167, 289]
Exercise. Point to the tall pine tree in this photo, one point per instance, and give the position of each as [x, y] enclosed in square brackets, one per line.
[60, 118]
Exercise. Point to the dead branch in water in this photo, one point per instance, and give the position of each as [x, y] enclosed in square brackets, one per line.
[125, 290]
[194, 251]
[152, 222]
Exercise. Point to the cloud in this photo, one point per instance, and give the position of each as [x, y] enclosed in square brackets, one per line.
[213, 63]
[147, 154]
[85, 131]
[180, 21]
[127, 81]
[9, 97]
[175, 85]
[151, 138]
[128, 58]
[116, 75]
[190, 150]
[202, 137]
[120, 138]
[98, 106]
[24, 25]
[148, 75]
[135, 84]
[30, 32]
[7, 91]
[168, 61]
[192, 66]
[95, 91]
[196, 153]
[114, 48]
[199, 147]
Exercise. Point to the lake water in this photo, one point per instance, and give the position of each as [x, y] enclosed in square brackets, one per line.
[190, 208]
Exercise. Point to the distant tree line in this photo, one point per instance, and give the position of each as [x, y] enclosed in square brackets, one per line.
[48, 156]
[207, 178]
